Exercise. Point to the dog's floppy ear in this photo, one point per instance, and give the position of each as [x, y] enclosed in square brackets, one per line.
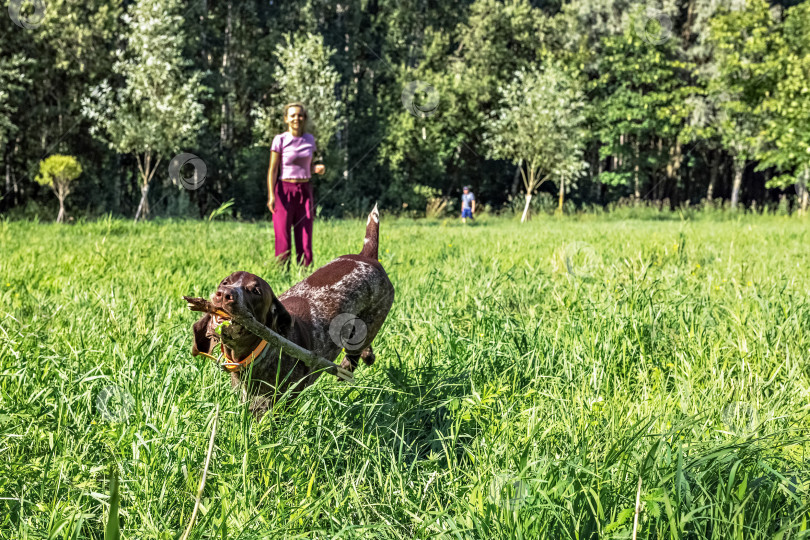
[278, 318]
[201, 343]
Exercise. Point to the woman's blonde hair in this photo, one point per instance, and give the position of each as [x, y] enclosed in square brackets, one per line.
[295, 104]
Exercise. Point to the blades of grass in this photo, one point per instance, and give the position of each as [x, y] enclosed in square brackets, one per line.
[204, 475]
[112, 531]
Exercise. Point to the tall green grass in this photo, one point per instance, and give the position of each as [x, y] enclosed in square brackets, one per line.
[527, 377]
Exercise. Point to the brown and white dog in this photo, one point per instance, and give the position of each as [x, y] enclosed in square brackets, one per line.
[342, 305]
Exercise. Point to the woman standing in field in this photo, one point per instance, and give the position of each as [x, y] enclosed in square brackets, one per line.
[290, 200]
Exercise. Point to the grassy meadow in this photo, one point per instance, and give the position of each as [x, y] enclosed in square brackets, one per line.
[531, 382]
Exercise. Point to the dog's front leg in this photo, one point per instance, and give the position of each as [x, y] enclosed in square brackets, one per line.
[350, 361]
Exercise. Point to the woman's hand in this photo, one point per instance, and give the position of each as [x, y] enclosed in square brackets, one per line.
[271, 204]
[320, 169]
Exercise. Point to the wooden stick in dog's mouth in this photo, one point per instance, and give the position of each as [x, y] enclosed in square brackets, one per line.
[201, 304]
[249, 323]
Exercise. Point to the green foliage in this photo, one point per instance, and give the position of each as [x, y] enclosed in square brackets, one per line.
[304, 74]
[785, 137]
[13, 80]
[499, 39]
[157, 110]
[540, 122]
[223, 209]
[57, 170]
[465, 70]
[79, 34]
[742, 39]
[639, 97]
[422, 146]
[682, 99]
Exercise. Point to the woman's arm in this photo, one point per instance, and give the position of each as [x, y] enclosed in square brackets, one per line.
[316, 168]
[272, 174]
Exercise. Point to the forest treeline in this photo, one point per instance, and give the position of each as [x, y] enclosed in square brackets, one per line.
[169, 106]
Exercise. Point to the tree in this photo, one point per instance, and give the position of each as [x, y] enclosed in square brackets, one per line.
[637, 94]
[13, 80]
[700, 135]
[785, 138]
[458, 77]
[540, 123]
[58, 172]
[741, 40]
[303, 73]
[157, 110]
[430, 134]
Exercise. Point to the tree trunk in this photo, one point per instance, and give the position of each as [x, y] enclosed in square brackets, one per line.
[147, 171]
[673, 168]
[117, 187]
[636, 187]
[739, 167]
[8, 176]
[342, 9]
[595, 170]
[687, 27]
[225, 129]
[656, 189]
[598, 186]
[562, 195]
[60, 217]
[143, 206]
[713, 171]
[12, 186]
[61, 189]
[516, 179]
[525, 215]
[804, 195]
[456, 167]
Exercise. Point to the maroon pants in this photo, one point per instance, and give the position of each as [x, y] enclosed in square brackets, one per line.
[294, 210]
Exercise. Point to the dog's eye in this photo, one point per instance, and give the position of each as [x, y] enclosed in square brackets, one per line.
[257, 291]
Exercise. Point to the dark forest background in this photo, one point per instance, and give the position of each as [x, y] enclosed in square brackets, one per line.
[683, 102]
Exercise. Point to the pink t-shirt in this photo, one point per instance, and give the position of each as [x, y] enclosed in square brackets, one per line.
[296, 154]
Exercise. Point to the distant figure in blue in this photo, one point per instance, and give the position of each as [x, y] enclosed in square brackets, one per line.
[467, 204]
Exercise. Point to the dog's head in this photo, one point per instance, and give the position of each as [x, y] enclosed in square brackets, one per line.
[252, 294]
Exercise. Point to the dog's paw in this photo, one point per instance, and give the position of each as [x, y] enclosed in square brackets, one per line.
[368, 356]
[349, 363]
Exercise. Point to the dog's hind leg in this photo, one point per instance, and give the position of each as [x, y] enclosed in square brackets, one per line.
[368, 356]
[350, 361]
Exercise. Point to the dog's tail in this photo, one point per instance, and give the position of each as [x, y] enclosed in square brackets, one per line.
[370, 244]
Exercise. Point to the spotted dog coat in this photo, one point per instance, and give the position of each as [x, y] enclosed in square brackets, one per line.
[341, 305]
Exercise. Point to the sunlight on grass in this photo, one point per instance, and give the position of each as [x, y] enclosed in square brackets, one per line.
[526, 377]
